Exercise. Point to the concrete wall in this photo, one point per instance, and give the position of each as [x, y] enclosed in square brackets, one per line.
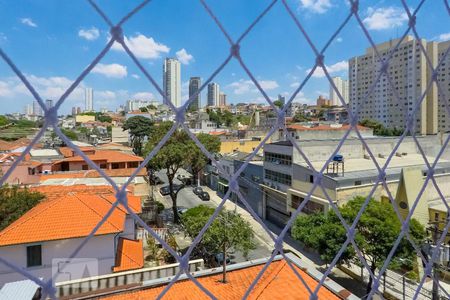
[100, 248]
[20, 175]
[249, 185]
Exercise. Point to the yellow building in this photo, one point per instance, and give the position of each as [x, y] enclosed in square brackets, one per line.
[84, 118]
[247, 145]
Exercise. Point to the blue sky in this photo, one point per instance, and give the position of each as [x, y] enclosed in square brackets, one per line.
[52, 41]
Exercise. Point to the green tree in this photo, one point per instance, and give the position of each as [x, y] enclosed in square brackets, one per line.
[229, 231]
[380, 129]
[16, 202]
[103, 118]
[301, 117]
[139, 128]
[198, 160]
[278, 103]
[376, 232]
[4, 120]
[70, 134]
[171, 157]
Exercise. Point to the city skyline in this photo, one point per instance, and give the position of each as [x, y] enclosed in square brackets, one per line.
[277, 65]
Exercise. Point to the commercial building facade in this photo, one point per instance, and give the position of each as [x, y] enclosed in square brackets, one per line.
[213, 94]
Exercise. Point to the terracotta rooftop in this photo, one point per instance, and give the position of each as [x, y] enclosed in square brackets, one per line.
[68, 212]
[129, 255]
[100, 155]
[8, 146]
[277, 282]
[94, 174]
[321, 127]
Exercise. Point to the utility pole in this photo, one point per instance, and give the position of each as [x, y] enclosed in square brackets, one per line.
[435, 294]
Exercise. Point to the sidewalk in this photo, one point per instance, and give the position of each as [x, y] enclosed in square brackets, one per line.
[394, 281]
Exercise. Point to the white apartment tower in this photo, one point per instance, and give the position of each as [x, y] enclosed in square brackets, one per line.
[213, 94]
[172, 81]
[89, 99]
[410, 75]
[342, 87]
[37, 109]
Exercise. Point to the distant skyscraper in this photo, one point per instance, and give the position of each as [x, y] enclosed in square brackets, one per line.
[49, 103]
[213, 94]
[78, 110]
[74, 111]
[172, 81]
[282, 99]
[89, 99]
[194, 86]
[222, 99]
[37, 110]
[29, 109]
[342, 87]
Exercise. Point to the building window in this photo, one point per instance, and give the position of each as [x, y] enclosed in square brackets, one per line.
[34, 256]
[436, 216]
[358, 182]
[85, 167]
[114, 166]
[279, 159]
[102, 166]
[278, 177]
[311, 178]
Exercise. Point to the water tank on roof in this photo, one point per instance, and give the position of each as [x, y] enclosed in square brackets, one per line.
[338, 157]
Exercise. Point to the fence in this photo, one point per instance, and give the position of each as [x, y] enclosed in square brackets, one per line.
[354, 12]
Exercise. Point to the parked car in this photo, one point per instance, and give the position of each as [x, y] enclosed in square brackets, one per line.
[218, 258]
[185, 179]
[155, 179]
[165, 190]
[197, 190]
[204, 196]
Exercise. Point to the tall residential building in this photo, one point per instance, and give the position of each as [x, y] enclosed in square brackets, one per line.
[213, 94]
[133, 105]
[410, 75]
[172, 81]
[37, 109]
[444, 82]
[29, 109]
[222, 99]
[89, 99]
[342, 86]
[194, 85]
[74, 111]
[49, 103]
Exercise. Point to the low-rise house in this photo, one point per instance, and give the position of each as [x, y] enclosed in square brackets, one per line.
[104, 159]
[42, 240]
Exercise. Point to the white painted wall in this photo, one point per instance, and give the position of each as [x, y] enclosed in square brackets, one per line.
[101, 248]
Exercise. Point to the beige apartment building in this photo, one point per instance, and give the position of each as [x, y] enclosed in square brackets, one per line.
[410, 74]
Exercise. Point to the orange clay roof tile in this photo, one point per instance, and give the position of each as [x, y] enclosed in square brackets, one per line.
[103, 155]
[94, 174]
[277, 282]
[68, 212]
[129, 256]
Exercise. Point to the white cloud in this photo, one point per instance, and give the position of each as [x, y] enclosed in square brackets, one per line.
[337, 67]
[89, 34]
[105, 95]
[111, 70]
[135, 76]
[184, 57]
[339, 40]
[316, 6]
[144, 96]
[246, 86]
[295, 85]
[385, 18]
[28, 22]
[143, 47]
[444, 37]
